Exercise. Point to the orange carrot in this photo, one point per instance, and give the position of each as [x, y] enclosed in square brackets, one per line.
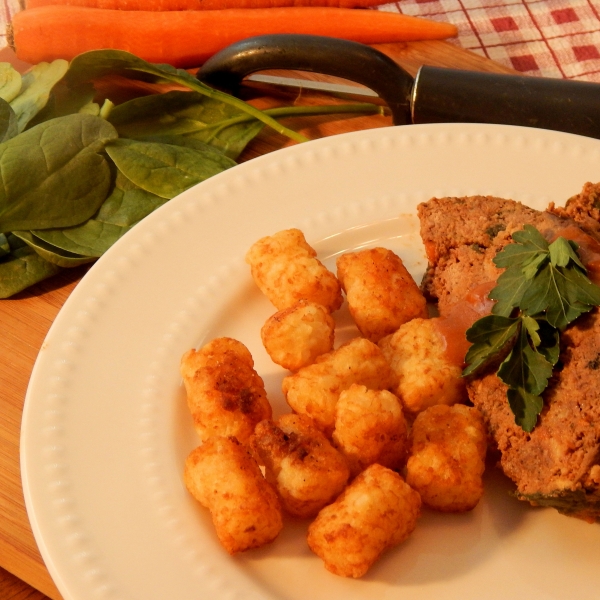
[203, 4]
[187, 38]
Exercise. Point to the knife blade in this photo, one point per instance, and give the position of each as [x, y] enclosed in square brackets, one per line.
[434, 95]
[297, 84]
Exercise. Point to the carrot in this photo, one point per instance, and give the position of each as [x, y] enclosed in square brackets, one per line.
[187, 38]
[203, 4]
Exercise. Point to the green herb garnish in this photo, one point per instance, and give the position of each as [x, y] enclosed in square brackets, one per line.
[544, 288]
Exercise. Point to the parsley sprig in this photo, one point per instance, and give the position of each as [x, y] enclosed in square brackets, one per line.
[544, 288]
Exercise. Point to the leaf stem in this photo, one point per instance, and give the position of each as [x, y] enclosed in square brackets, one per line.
[241, 105]
[298, 111]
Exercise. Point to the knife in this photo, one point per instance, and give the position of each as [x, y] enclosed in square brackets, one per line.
[434, 95]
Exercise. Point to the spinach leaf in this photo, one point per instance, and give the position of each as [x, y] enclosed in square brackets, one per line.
[187, 114]
[164, 169]
[35, 90]
[173, 112]
[98, 63]
[54, 175]
[91, 239]
[10, 82]
[8, 121]
[125, 206]
[4, 245]
[53, 255]
[234, 134]
[67, 101]
[180, 140]
[22, 267]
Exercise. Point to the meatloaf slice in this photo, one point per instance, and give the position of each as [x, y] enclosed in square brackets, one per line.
[558, 463]
[584, 208]
[463, 235]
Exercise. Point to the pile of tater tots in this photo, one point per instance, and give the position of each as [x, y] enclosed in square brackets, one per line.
[377, 427]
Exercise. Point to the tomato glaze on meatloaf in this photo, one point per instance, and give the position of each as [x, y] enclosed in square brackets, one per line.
[558, 463]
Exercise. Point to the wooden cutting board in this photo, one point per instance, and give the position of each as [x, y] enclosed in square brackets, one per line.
[25, 319]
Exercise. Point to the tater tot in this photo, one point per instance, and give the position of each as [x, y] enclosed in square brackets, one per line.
[447, 457]
[314, 390]
[381, 293]
[376, 511]
[295, 336]
[370, 428]
[285, 268]
[416, 353]
[300, 462]
[225, 394]
[245, 510]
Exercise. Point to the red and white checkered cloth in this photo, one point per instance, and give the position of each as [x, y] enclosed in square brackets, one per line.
[547, 38]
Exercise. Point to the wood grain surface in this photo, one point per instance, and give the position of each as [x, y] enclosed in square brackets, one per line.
[13, 588]
[26, 318]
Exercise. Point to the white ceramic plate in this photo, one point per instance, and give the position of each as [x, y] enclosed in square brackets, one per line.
[106, 429]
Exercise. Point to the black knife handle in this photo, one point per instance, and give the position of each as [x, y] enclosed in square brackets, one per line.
[319, 54]
[447, 95]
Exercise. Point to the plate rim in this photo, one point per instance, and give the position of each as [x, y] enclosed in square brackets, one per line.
[56, 571]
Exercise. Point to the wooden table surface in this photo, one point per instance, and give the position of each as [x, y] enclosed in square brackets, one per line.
[26, 318]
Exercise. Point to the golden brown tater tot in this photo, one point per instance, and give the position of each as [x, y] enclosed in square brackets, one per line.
[381, 293]
[376, 511]
[225, 394]
[222, 475]
[305, 469]
[447, 457]
[285, 268]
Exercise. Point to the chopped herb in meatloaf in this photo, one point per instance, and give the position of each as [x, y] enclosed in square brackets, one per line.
[558, 463]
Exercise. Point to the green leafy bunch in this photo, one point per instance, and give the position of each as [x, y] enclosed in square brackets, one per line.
[76, 175]
[543, 288]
